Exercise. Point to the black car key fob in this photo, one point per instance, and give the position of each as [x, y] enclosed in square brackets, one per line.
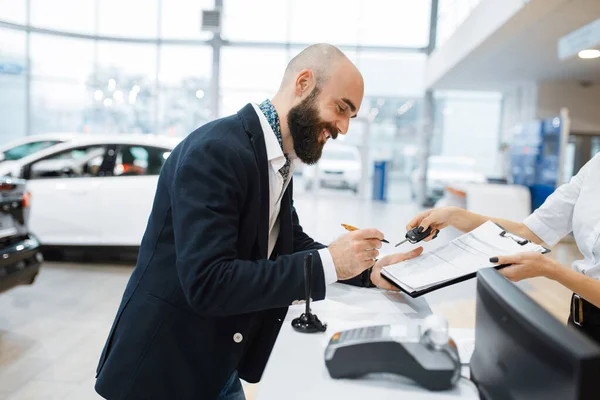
[414, 236]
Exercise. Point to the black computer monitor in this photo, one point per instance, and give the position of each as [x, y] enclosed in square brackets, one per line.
[523, 352]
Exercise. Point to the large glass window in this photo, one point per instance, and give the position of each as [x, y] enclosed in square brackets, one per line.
[64, 15]
[262, 26]
[13, 84]
[58, 107]
[185, 84]
[127, 59]
[182, 19]
[178, 63]
[335, 22]
[402, 23]
[250, 75]
[113, 86]
[248, 68]
[12, 44]
[124, 90]
[233, 100]
[393, 97]
[130, 18]
[59, 86]
[75, 63]
[13, 11]
[392, 73]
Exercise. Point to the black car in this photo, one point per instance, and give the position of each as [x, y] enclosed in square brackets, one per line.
[20, 256]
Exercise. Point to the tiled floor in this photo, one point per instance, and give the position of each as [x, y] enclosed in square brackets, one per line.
[51, 333]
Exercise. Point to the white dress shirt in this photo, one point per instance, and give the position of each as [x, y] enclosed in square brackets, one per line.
[276, 160]
[574, 207]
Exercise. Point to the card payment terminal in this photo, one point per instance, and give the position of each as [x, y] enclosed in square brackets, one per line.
[423, 353]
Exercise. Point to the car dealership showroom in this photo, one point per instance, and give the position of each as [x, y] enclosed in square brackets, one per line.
[294, 199]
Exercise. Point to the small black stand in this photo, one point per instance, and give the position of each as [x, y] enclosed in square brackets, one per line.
[308, 322]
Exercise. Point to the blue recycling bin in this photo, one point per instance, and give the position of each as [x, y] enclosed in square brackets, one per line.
[380, 180]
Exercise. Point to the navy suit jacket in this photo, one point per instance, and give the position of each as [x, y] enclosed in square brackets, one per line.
[203, 299]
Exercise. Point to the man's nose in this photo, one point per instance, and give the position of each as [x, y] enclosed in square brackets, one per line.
[342, 126]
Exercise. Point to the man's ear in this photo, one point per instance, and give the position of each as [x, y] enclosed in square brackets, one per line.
[305, 80]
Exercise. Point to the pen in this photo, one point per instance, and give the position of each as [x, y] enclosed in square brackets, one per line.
[353, 228]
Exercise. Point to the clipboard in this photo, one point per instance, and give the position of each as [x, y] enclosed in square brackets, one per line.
[442, 284]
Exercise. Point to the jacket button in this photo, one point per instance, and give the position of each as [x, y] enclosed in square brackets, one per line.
[238, 337]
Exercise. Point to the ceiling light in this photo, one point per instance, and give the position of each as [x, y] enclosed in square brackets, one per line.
[589, 53]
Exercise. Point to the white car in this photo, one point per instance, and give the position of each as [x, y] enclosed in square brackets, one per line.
[27, 145]
[94, 190]
[340, 166]
[444, 170]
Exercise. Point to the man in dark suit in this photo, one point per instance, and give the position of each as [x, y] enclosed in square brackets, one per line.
[222, 256]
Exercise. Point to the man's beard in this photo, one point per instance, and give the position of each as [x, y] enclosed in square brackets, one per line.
[306, 127]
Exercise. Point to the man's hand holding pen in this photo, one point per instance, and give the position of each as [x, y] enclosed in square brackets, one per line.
[355, 252]
[358, 250]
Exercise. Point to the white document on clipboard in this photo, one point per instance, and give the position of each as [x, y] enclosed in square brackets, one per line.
[461, 258]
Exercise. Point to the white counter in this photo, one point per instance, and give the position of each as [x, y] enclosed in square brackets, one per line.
[296, 368]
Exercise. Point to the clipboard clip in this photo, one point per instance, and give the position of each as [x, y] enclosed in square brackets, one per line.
[517, 239]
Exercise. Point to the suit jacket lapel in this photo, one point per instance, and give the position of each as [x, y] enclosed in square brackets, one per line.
[255, 133]
[285, 242]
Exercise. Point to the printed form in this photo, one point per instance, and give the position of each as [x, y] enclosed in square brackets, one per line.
[462, 256]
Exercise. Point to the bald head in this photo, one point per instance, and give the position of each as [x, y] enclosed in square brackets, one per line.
[322, 59]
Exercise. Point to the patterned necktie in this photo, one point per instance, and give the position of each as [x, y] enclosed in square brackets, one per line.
[271, 114]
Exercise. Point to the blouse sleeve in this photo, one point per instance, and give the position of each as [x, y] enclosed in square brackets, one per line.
[554, 219]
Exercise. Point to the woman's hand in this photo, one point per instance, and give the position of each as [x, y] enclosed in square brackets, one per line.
[437, 218]
[526, 265]
[379, 280]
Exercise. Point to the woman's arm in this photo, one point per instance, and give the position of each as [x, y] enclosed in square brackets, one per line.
[529, 265]
[585, 286]
[469, 220]
[466, 221]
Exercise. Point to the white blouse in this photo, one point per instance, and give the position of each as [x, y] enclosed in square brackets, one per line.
[574, 207]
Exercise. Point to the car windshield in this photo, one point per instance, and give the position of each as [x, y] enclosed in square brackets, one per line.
[16, 153]
[339, 154]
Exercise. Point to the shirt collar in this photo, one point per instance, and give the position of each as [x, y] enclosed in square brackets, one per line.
[269, 121]
[274, 152]
[269, 111]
